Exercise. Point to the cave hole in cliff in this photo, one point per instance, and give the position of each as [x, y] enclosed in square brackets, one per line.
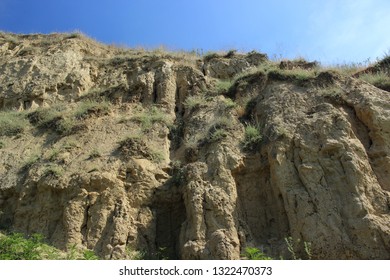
[262, 219]
[170, 216]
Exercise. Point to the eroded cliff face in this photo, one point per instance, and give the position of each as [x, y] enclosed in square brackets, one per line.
[121, 149]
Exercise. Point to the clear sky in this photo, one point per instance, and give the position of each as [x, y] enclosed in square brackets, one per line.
[331, 31]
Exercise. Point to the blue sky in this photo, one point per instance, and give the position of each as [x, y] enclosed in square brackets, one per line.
[330, 31]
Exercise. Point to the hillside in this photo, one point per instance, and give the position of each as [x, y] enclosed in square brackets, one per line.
[191, 157]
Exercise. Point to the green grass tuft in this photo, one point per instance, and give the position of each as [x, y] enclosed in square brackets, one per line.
[88, 108]
[253, 137]
[380, 80]
[12, 123]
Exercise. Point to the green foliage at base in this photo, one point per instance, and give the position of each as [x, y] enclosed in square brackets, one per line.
[15, 246]
[252, 253]
[292, 244]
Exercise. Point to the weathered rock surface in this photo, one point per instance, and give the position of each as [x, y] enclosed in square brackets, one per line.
[165, 171]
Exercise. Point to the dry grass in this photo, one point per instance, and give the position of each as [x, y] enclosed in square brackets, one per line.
[12, 123]
[380, 80]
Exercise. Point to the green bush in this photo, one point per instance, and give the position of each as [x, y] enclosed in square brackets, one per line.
[223, 86]
[89, 255]
[252, 137]
[12, 123]
[16, 247]
[252, 253]
[195, 101]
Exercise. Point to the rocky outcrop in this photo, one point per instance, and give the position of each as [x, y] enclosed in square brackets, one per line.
[156, 158]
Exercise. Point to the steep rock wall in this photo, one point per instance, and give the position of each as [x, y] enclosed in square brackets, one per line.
[165, 169]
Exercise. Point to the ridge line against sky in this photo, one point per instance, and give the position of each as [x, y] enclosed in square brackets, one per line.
[330, 31]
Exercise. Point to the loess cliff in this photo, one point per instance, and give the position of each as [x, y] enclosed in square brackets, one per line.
[190, 157]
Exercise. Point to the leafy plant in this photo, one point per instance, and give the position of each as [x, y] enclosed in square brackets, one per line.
[307, 247]
[291, 248]
[132, 254]
[15, 247]
[89, 255]
[252, 253]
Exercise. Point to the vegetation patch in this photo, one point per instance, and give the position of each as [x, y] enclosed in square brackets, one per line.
[15, 246]
[380, 80]
[195, 101]
[12, 123]
[210, 55]
[228, 104]
[291, 246]
[53, 171]
[54, 118]
[30, 161]
[223, 86]
[219, 129]
[252, 253]
[153, 115]
[297, 75]
[217, 134]
[253, 138]
[92, 108]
